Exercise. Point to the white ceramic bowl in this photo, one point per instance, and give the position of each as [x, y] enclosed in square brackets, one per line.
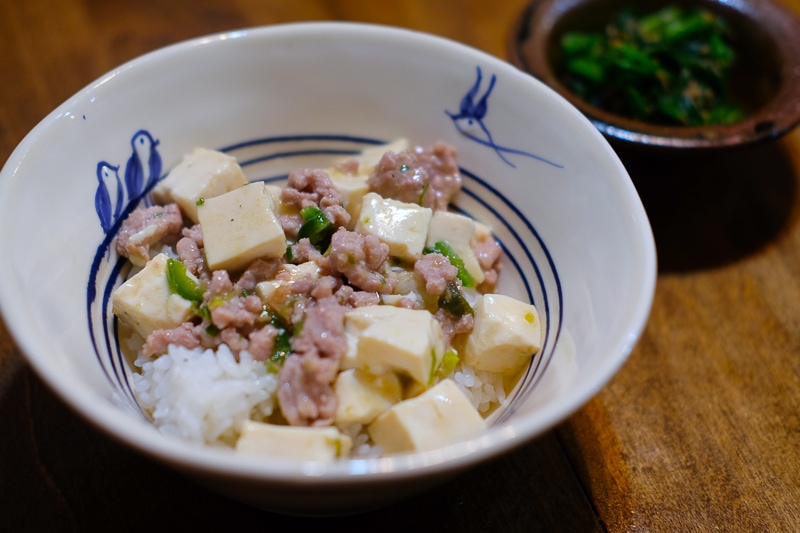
[577, 241]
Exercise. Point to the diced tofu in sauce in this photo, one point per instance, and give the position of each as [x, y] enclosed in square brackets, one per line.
[290, 442]
[506, 335]
[440, 416]
[387, 377]
[239, 227]
[202, 174]
[409, 341]
[363, 395]
[402, 226]
[145, 301]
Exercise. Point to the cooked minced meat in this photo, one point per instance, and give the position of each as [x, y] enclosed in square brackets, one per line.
[425, 176]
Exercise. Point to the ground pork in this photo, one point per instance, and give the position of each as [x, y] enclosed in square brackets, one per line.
[436, 272]
[237, 312]
[303, 251]
[234, 339]
[305, 394]
[258, 271]
[145, 227]
[363, 298]
[262, 342]
[191, 255]
[487, 252]
[454, 325]
[159, 340]
[291, 224]
[425, 176]
[360, 258]
[219, 284]
[308, 187]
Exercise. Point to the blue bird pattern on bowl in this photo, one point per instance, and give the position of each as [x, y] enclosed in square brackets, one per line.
[142, 171]
[471, 114]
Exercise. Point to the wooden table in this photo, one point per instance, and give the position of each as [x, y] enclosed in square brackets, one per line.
[699, 431]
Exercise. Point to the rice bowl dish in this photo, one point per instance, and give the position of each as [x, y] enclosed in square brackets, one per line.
[575, 241]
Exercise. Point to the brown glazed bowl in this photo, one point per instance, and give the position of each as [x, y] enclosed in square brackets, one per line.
[766, 80]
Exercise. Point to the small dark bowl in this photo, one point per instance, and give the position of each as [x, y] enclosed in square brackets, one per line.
[766, 81]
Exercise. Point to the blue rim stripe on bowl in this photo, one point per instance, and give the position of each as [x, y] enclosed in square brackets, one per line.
[532, 373]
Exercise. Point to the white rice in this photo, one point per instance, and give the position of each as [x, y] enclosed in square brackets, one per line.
[362, 445]
[484, 389]
[204, 396]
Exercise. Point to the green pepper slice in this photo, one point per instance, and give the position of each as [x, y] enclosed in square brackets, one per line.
[316, 228]
[442, 247]
[182, 283]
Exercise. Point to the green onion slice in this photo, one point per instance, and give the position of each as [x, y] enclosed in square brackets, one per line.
[448, 364]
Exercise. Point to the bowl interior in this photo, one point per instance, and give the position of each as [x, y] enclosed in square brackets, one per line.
[575, 237]
[765, 82]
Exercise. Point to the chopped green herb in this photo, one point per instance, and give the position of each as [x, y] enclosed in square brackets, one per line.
[454, 302]
[200, 201]
[317, 228]
[282, 346]
[446, 250]
[669, 67]
[182, 283]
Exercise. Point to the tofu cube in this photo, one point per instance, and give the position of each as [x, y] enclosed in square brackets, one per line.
[239, 227]
[458, 231]
[382, 337]
[203, 174]
[440, 416]
[363, 396]
[355, 322]
[506, 335]
[403, 226]
[145, 302]
[293, 442]
[352, 189]
[286, 277]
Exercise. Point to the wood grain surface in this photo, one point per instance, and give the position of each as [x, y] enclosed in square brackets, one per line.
[699, 431]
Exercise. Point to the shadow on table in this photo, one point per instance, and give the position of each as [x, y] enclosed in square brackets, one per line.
[711, 210]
